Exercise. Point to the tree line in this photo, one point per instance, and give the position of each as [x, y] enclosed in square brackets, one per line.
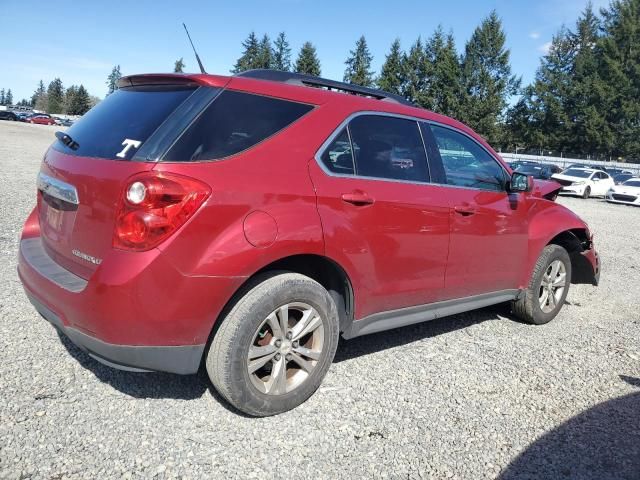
[585, 98]
[55, 99]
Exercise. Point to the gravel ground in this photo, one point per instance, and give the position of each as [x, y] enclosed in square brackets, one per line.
[473, 396]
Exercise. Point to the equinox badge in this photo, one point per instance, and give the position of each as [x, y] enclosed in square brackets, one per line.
[88, 258]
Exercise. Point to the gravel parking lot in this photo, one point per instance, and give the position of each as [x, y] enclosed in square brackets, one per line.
[473, 396]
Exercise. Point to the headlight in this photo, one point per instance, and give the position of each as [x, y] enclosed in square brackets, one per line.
[578, 183]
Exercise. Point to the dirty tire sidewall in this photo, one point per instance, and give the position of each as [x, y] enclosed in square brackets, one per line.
[227, 358]
[528, 306]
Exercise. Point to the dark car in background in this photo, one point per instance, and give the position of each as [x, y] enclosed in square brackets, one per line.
[7, 115]
[541, 171]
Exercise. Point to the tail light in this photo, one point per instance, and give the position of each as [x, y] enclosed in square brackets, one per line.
[152, 207]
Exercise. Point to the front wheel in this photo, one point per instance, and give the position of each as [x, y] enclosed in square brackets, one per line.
[548, 287]
[586, 193]
[275, 345]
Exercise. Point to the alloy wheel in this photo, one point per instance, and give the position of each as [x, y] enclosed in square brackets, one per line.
[552, 286]
[285, 348]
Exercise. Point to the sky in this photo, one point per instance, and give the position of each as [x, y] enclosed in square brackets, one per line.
[80, 42]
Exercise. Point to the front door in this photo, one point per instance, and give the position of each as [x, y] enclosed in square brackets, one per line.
[489, 240]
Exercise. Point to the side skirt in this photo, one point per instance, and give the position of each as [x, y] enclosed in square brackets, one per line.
[379, 322]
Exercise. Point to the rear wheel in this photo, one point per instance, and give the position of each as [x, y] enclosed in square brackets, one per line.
[548, 287]
[275, 345]
[586, 193]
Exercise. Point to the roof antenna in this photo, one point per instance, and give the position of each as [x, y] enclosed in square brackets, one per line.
[194, 49]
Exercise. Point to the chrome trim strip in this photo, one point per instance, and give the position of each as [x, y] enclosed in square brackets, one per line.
[57, 189]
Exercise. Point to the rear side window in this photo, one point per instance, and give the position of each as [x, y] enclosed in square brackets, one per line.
[388, 147]
[338, 157]
[234, 122]
[122, 122]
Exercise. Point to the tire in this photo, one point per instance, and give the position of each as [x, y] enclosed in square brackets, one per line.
[586, 193]
[529, 307]
[253, 321]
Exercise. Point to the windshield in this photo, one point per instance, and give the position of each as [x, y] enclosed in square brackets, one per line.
[118, 126]
[575, 172]
[632, 183]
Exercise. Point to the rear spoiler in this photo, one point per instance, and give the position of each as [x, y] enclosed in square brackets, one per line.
[194, 80]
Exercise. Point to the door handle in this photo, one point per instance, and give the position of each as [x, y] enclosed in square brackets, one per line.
[357, 198]
[465, 210]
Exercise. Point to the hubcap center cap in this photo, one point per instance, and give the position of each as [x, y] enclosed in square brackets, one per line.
[285, 347]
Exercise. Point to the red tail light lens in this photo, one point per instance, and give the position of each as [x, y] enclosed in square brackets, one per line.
[154, 206]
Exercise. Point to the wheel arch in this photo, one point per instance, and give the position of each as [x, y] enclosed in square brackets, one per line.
[322, 269]
[555, 224]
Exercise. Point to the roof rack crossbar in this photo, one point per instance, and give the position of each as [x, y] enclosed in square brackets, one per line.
[313, 81]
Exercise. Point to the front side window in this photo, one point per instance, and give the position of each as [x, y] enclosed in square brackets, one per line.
[388, 147]
[232, 123]
[466, 163]
[338, 157]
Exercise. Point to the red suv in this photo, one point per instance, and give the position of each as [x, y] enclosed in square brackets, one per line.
[246, 222]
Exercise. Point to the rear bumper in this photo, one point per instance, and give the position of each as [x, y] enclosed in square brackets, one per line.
[136, 311]
[182, 360]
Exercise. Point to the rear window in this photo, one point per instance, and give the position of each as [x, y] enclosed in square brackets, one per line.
[119, 125]
[232, 123]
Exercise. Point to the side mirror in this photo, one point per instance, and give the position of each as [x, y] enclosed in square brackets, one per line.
[520, 182]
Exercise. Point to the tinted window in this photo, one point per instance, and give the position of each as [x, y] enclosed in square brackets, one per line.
[337, 157]
[232, 123]
[129, 113]
[632, 183]
[388, 147]
[466, 163]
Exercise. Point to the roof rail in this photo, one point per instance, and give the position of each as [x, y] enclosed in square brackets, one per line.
[312, 81]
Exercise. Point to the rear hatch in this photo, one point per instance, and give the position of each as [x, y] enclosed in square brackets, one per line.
[85, 171]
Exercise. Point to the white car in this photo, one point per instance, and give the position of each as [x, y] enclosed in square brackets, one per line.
[585, 182]
[628, 192]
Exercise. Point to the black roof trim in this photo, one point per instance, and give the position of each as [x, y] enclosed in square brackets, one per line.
[312, 81]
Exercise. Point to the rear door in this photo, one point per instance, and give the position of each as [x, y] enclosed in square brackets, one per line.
[489, 241]
[381, 218]
[83, 174]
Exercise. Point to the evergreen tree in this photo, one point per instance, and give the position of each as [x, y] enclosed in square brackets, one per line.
[24, 103]
[55, 97]
[358, 71]
[620, 72]
[250, 54]
[281, 53]
[112, 79]
[179, 65]
[588, 130]
[82, 101]
[391, 76]
[487, 79]
[40, 91]
[265, 53]
[2, 97]
[8, 98]
[415, 68]
[307, 61]
[444, 90]
[69, 99]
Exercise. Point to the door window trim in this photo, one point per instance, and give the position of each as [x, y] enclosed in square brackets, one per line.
[345, 125]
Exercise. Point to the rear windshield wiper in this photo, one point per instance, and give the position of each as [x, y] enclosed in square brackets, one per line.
[67, 140]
